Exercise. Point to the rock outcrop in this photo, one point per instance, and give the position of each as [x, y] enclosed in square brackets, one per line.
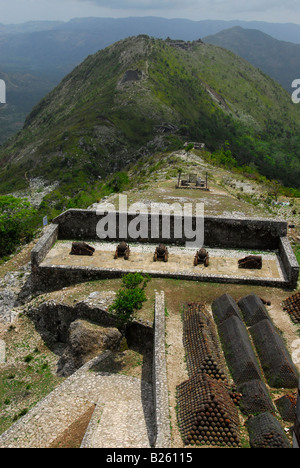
[86, 341]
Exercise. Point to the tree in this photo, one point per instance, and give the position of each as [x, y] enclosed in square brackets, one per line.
[129, 299]
[15, 223]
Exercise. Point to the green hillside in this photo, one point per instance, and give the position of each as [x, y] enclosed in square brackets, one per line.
[278, 59]
[144, 95]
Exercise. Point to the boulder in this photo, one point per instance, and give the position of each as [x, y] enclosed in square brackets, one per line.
[86, 340]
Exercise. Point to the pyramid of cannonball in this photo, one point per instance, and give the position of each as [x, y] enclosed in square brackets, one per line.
[292, 306]
[286, 406]
[238, 350]
[206, 413]
[225, 307]
[200, 341]
[277, 364]
[255, 397]
[253, 309]
[266, 432]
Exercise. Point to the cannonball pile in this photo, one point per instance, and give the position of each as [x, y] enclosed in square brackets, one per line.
[286, 406]
[292, 306]
[201, 343]
[266, 432]
[235, 396]
[206, 413]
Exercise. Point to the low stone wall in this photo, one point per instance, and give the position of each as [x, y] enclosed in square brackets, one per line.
[289, 261]
[160, 384]
[43, 246]
[2, 352]
[53, 320]
[48, 278]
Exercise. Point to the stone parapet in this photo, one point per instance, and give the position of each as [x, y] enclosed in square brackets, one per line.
[160, 384]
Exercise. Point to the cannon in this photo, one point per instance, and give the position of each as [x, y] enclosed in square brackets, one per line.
[81, 248]
[161, 252]
[201, 258]
[122, 250]
[252, 262]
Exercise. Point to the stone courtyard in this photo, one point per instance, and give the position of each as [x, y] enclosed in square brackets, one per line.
[222, 262]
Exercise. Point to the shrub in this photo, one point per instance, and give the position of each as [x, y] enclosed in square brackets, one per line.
[15, 223]
[129, 299]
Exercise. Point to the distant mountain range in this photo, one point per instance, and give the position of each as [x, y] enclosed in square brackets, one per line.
[35, 56]
[158, 27]
[278, 59]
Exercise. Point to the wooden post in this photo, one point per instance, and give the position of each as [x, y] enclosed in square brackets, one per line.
[179, 177]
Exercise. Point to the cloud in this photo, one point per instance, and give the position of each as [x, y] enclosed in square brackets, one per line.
[259, 10]
[265, 10]
[140, 4]
[245, 6]
[230, 5]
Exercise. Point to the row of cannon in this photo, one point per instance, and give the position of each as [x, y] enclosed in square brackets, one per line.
[161, 253]
[123, 250]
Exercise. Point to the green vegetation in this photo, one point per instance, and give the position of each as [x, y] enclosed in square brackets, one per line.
[28, 374]
[15, 223]
[93, 132]
[93, 125]
[129, 299]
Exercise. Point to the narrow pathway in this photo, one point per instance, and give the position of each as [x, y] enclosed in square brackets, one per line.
[125, 420]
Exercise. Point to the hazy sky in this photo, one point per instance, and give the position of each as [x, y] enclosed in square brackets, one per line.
[273, 11]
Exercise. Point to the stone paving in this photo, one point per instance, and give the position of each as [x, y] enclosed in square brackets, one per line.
[222, 262]
[125, 418]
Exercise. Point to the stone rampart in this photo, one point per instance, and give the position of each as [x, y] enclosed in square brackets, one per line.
[160, 384]
[225, 233]
[219, 232]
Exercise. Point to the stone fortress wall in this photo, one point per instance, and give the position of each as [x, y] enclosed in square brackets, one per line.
[219, 232]
[252, 234]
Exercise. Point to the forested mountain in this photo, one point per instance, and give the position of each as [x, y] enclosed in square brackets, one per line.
[142, 95]
[35, 56]
[278, 59]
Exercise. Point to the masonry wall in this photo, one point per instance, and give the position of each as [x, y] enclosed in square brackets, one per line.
[53, 320]
[289, 261]
[235, 233]
[160, 384]
[43, 246]
[244, 233]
